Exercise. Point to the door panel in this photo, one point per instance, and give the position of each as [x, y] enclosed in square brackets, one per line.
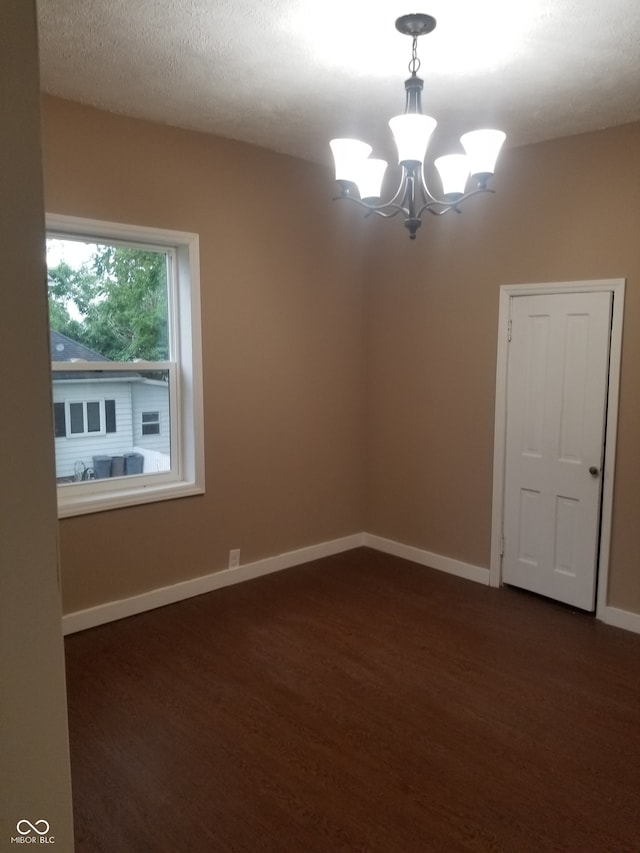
[556, 402]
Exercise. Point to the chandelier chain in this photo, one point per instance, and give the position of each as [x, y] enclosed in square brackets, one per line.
[414, 65]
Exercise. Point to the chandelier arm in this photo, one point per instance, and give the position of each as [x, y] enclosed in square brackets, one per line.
[430, 198]
[453, 206]
[425, 194]
[398, 199]
[379, 209]
[385, 215]
[450, 205]
[395, 202]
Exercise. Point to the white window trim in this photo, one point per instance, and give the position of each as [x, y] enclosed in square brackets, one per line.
[187, 476]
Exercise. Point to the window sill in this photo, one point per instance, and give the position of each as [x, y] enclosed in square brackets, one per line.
[83, 504]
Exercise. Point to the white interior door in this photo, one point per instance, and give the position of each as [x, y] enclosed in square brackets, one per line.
[557, 372]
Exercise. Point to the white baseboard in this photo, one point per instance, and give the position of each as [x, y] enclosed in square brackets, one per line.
[112, 610]
[621, 619]
[426, 558]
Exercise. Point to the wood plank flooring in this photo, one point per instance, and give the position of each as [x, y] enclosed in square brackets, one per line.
[362, 704]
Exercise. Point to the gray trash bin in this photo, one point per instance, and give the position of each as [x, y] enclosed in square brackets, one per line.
[133, 463]
[117, 466]
[102, 467]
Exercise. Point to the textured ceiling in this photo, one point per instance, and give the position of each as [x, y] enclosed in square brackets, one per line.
[291, 74]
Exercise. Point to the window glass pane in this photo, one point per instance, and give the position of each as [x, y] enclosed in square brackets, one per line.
[59, 417]
[93, 417]
[89, 453]
[76, 416]
[107, 302]
[110, 415]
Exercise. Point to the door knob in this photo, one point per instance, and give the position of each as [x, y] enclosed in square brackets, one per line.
[594, 471]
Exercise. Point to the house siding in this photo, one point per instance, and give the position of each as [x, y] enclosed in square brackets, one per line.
[151, 396]
[71, 449]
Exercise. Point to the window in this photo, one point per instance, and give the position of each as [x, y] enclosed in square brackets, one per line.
[97, 417]
[126, 371]
[151, 423]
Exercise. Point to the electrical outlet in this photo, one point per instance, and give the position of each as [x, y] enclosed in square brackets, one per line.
[234, 558]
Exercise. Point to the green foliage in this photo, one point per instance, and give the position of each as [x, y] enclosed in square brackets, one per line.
[120, 296]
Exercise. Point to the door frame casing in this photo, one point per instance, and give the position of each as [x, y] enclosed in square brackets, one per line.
[508, 292]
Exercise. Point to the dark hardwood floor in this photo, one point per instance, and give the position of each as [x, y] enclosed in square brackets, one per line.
[357, 703]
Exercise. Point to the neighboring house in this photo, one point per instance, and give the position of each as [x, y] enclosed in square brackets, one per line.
[106, 424]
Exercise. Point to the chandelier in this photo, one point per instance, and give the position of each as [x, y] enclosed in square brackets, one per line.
[360, 177]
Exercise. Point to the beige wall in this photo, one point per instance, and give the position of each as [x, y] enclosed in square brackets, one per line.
[34, 753]
[344, 395]
[283, 343]
[565, 210]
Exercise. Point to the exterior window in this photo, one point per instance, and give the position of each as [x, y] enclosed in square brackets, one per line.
[125, 348]
[110, 415]
[84, 418]
[59, 420]
[151, 423]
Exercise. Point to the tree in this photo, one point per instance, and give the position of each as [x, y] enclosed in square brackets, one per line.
[120, 296]
[68, 286]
